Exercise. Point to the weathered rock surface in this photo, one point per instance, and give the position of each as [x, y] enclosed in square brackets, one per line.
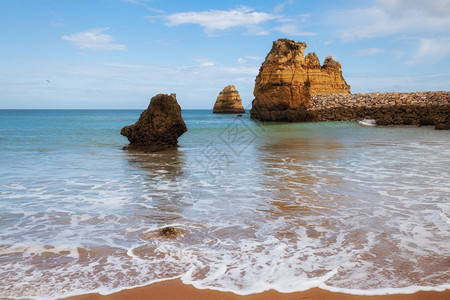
[287, 79]
[158, 127]
[228, 101]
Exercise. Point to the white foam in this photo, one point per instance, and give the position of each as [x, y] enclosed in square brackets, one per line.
[444, 211]
[29, 250]
[367, 122]
[386, 291]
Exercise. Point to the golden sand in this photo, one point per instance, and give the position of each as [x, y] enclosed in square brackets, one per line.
[175, 289]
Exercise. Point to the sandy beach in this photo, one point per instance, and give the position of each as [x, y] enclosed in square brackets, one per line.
[175, 289]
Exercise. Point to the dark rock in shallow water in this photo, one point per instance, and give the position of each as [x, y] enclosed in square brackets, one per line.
[158, 127]
[170, 231]
[444, 125]
[427, 122]
[286, 115]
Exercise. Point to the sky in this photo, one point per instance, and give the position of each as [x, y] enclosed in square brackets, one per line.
[117, 54]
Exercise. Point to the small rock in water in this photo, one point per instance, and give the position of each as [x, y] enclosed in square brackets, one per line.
[170, 231]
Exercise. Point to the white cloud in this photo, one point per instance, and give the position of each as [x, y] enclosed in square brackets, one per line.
[207, 64]
[419, 28]
[434, 7]
[390, 17]
[293, 29]
[158, 11]
[369, 51]
[121, 85]
[215, 21]
[431, 50]
[257, 30]
[254, 57]
[434, 47]
[281, 6]
[219, 20]
[94, 39]
[204, 62]
[294, 26]
[363, 83]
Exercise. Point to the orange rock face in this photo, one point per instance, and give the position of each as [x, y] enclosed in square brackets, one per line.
[287, 79]
[228, 101]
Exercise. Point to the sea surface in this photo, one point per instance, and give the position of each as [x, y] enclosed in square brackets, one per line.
[337, 205]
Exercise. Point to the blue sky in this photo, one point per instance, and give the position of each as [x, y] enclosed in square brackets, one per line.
[120, 53]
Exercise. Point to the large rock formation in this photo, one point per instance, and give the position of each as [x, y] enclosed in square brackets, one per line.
[287, 79]
[158, 127]
[228, 101]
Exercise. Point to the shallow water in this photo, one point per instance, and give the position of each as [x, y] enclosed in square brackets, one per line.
[337, 205]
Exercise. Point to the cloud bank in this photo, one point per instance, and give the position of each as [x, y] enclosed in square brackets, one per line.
[389, 17]
[94, 39]
[216, 21]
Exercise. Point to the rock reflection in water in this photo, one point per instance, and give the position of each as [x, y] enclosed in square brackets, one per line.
[297, 170]
[165, 188]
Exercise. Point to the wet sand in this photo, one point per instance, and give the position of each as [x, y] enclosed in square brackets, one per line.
[175, 289]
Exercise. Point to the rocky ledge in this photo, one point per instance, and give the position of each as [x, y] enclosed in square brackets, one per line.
[287, 79]
[415, 108]
[158, 127]
[228, 101]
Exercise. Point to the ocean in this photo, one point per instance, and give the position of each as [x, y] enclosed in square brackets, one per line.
[285, 206]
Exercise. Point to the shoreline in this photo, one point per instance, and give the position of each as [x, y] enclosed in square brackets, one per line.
[176, 289]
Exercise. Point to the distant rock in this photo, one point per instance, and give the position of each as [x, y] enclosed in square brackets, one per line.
[228, 101]
[158, 127]
[287, 80]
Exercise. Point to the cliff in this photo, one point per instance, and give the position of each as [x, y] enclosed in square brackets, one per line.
[287, 79]
[228, 101]
[158, 127]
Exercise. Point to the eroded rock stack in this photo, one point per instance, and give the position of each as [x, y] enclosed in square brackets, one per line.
[158, 127]
[287, 79]
[228, 101]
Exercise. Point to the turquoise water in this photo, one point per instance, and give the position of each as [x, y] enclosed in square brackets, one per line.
[337, 205]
